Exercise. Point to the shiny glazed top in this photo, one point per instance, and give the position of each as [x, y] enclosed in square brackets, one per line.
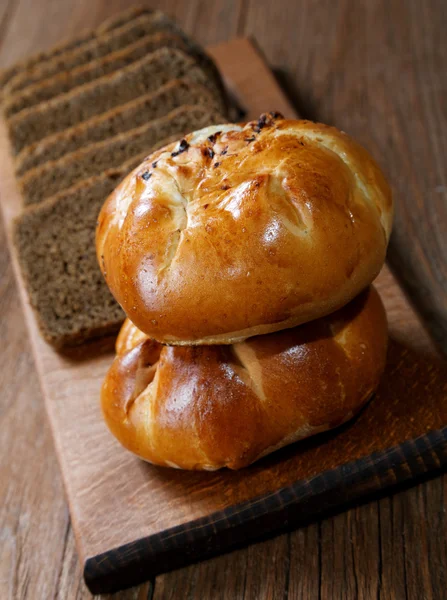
[237, 231]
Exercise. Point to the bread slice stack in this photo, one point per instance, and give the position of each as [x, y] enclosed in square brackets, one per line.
[243, 257]
[79, 118]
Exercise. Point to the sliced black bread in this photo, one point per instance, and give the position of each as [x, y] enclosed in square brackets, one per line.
[55, 243]
[118, 120]
[85, 36]
[82, 103]
[112, 41]
[68, 80]
[97, 48]
[52, 177]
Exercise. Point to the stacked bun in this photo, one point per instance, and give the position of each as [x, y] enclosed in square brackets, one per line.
[243, 257]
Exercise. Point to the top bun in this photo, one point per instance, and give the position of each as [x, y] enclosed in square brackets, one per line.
[238, 231]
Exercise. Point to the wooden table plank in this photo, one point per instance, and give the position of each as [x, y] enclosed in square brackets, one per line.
[351, 63]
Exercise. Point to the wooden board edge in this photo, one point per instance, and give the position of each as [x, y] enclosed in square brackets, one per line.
[233, 77]
[265, 516]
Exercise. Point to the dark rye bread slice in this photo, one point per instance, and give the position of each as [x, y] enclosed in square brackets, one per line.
[142, 77]
[55, 243]
[52, 177]
[97, 48]
[68, 80]
[68, 45]
[102, 45]
[118, 120]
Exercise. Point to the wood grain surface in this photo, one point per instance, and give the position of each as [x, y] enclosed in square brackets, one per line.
[372, 68]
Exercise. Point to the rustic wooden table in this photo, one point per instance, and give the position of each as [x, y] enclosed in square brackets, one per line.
[376, 68]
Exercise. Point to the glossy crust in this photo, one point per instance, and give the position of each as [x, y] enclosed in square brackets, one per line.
[209, 407]
[241, 231]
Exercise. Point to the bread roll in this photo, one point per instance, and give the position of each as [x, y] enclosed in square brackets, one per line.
[238, 231]
[209, 407]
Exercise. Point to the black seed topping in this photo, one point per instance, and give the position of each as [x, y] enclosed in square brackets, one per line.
[224, 151]
[154, 165]
[146, 175]
[213, 137]
[205, 205]
[261, 122]
[250, 139]
[210, 152]
[183, 146]
[217, 164]
[266, 119]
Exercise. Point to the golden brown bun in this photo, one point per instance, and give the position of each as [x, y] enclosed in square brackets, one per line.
[241, 231]
[207, 407]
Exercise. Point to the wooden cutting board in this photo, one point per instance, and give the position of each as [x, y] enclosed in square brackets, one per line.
[133, 520]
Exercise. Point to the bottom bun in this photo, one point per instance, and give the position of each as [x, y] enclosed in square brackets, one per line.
[207, 407]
